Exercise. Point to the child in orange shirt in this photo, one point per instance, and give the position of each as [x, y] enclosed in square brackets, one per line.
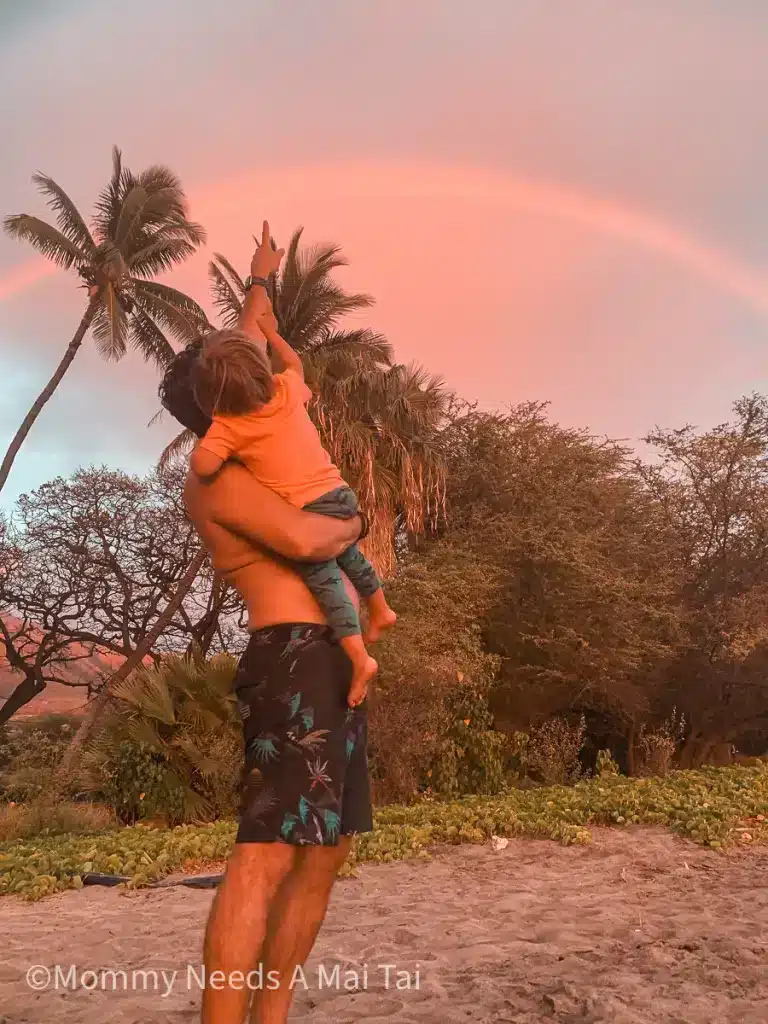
[262, 419]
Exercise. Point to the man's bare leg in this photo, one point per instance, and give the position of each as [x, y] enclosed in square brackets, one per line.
[295, 917]
[237, 925]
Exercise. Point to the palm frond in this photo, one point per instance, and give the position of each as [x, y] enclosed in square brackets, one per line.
[237, 281]
[109, 200]
[129, 218]
[46, 239]
[359, 346]
[110, 325]
[290, 276]
[318, 261]
[147, 338]
[178, 448]
[227, 302]
[159, 178]
[159, 254]
[171, 309]
[182, 227]
[68, 217]
[315, 311]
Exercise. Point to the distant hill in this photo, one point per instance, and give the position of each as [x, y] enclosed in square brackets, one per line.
[55, 699]
[58, 698]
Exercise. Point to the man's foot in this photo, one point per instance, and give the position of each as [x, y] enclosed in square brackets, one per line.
[362, 674]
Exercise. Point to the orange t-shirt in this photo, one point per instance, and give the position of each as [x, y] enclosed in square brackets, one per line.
[279, 444]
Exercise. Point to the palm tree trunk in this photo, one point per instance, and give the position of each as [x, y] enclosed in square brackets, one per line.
[48, 390]
[100, 703]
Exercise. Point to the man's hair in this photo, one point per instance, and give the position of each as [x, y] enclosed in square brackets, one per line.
[176, 394]
[182, 391]
[231, 375]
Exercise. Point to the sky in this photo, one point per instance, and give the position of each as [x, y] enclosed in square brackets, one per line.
[548, 200]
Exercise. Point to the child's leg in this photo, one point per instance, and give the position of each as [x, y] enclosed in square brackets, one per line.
[363, 578]
[326, 585]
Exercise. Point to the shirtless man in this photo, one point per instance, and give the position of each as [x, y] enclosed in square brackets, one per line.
[306, 788]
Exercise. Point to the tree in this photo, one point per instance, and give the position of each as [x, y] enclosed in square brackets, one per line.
[379, 421]
[94, 564]
[140, 228]
[133, 662]
[589, 604]
[713, 487]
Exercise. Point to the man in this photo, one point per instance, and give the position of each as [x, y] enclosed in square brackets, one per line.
[306, 788]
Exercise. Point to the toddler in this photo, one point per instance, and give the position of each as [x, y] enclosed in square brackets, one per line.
[261, 418]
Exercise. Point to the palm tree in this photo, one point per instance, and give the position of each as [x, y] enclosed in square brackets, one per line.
[140, 228]
[378, 420]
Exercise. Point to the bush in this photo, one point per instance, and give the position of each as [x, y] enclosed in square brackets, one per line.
[472, 755]
[42, 818]
[171, 748]
[656, 748]
[550, 752]
[30, 753]
[606, 764]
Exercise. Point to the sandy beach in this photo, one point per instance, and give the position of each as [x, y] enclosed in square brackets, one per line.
[637, 928]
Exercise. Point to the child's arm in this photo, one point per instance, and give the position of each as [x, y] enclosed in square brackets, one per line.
[254, 306]
[212, 451]
[285, 355]
[204, 463]
[265, 261]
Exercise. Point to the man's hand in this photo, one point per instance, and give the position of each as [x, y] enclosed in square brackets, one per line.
[266, 260]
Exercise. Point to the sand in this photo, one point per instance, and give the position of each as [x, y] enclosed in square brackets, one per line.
[637, 928]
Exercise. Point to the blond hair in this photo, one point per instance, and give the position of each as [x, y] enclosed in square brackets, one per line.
[231, 375]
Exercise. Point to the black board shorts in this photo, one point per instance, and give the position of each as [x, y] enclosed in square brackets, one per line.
[305, 777]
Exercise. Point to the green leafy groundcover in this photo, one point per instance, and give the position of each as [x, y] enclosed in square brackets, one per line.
[714, 807]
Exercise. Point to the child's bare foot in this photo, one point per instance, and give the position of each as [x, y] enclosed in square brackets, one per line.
[361, 676]
[379, 624]
[380, 617]
[364, 668]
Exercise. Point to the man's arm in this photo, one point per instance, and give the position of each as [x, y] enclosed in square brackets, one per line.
[237, 502]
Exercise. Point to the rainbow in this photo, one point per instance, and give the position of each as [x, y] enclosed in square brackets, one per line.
[629, 225]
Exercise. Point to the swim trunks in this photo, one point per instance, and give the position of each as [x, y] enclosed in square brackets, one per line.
[305, 778]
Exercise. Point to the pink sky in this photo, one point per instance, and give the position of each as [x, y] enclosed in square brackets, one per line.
[544, 206]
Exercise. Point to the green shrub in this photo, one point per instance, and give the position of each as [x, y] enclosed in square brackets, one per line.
[471, 755]
[606, 765]
[714, 807]
[655, 748]
[171, 746]
[549, 752]
[30, 753]
[139, 783]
